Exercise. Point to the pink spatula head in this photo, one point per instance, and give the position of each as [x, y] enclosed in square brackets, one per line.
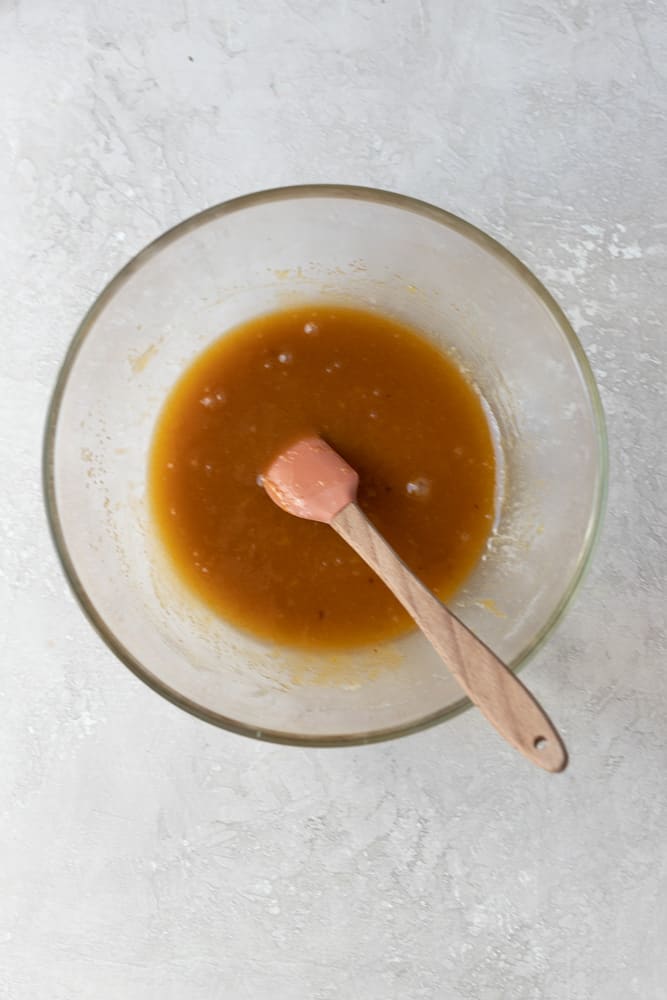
[309, 479]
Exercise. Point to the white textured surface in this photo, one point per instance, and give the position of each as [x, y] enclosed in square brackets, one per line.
[147, 856]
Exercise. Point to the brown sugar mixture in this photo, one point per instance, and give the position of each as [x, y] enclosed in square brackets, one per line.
[392, 404]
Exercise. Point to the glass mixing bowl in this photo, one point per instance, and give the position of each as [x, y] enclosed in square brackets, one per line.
[355, 246]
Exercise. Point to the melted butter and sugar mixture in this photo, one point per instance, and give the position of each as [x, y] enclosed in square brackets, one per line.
[397, 409]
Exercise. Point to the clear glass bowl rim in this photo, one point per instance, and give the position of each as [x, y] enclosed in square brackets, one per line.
[297, 192]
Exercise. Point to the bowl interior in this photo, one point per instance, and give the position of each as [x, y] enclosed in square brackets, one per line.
[268, 251]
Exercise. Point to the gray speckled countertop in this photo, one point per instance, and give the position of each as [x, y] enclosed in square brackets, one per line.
[147, 856]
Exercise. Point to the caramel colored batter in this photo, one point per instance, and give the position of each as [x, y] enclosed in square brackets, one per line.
[396, 408]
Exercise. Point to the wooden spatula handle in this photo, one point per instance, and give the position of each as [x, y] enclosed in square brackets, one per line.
[496, 691]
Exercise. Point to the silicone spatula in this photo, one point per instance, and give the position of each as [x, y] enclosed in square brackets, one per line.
[311, 480]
